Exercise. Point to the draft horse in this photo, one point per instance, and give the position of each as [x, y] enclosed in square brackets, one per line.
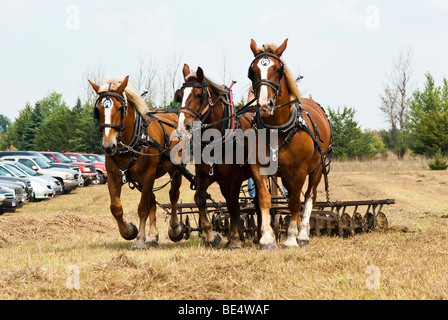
[304, 142]
[208, 103]
[137, 146]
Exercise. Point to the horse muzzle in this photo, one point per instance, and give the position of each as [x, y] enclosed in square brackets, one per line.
[267, 109]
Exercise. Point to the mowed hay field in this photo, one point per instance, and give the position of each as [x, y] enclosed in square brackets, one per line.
[69, 248]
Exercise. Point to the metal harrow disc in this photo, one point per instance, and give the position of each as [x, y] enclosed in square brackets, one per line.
[345, 225]
[357, 223]
[368, 222]
[381, 222]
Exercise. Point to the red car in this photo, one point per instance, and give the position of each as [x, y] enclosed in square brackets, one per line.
[99, 166]
[87, 170]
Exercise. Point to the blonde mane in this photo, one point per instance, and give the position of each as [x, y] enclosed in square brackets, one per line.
[130, 94]
[288, 76]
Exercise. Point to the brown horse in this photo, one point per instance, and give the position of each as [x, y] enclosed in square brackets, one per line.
[207, 103]
[136, 142]
[304, 142]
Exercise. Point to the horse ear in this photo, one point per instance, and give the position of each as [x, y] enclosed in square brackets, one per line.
[254, 47]
[200, 74]
[186, 70]
[123, 85]
[94, 86]
[281, 49]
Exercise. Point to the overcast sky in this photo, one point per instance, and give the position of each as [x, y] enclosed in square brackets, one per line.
[343, 48]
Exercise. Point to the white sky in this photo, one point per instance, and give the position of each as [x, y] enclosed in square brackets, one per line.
[340, 47]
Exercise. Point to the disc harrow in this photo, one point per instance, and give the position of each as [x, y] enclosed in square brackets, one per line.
[340, 218]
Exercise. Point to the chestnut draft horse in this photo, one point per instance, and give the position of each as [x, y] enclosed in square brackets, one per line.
[209, 104]
[304, 142]
[137, 145]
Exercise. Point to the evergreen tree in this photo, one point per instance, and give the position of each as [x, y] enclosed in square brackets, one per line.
[55, 132]
[13, 136]
[4, 123]
[349, 140]
[37, 117]
[429, 118]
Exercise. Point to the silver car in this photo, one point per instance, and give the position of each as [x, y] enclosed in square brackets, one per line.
[41, 189]
[68, 178]
[54, 183]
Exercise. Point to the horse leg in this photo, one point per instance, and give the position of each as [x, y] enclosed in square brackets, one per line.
[147, 207]
[294, 185]
[267, 239]
[175, 230]
[310, 198]
[210, 237]
[127, 229]
[231, 194]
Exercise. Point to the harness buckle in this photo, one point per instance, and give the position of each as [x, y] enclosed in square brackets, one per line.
[123, 175]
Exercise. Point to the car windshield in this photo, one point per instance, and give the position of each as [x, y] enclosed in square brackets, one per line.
[91, 158]
[42, 163]
[62, 158]
[25, 169]
[83, 159]
[15, 171]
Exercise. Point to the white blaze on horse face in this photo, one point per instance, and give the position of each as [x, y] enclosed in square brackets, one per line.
[108, 105]
[264, 65]
[181, 128]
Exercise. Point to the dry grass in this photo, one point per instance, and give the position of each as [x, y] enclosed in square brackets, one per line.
[39, 242]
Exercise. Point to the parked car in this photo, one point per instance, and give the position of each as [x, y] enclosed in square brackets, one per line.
[54, 183]
[20, 194]
[69, 179]
[8, 200]
[6, 176]
[100, 167]
[38, 154]
[41, 189]
[94, 157]
[86, 170]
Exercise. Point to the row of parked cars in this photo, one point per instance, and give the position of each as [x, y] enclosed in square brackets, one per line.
[34, 176]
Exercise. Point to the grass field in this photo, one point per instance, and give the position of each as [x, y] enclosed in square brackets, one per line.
[69, 248]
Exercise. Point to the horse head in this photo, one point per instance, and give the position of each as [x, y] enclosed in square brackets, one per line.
[266, 73]
[110, 110]
[194, 98]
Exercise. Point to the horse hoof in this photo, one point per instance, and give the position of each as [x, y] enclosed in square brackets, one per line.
[133, 231]
[177, 238]
[269, 247]
[303, 243]
[215, 242]
[151, 243]
[139, 246]
[233, 246]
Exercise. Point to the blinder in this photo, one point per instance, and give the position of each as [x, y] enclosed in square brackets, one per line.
[203, 100]
[274, 85]
[123, 109]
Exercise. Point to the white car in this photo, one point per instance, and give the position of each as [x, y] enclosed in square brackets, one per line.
[41, 189]
[54, 183]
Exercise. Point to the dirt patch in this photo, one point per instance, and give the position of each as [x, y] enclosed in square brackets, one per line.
[16, 229]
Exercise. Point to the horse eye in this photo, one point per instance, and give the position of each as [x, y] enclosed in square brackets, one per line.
[199, 96]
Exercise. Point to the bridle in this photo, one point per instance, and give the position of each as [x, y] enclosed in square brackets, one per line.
[265, 82]
[206, 101]
[123, 109]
